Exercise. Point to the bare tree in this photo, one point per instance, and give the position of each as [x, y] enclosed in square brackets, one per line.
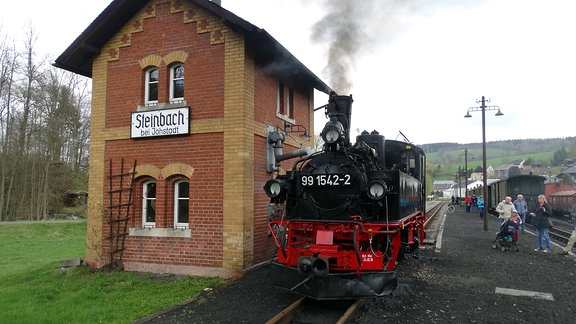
[44, 133]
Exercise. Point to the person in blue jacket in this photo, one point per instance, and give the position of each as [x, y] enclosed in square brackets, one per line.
[522, 208]
[480, 205]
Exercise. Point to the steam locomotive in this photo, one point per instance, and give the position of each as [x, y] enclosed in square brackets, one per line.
[343, 216]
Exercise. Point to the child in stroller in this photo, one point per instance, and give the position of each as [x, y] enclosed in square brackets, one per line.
[507, 236]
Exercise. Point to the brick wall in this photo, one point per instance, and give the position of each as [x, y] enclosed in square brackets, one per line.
[231, 101]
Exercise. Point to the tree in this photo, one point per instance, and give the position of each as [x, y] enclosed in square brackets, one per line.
[44, 133]
[559, 157]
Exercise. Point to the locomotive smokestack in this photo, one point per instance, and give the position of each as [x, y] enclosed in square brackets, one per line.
[340, 107]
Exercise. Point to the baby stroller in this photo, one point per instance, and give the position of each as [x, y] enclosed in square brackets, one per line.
[507, 236]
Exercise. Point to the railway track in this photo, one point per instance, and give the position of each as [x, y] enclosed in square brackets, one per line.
[559, 235]
[434, 211]
[310, 311]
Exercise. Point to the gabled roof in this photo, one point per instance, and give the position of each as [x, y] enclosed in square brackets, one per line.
[505, 167]
[443, 182]
[564, 193]
[571, 170]
[79, 55]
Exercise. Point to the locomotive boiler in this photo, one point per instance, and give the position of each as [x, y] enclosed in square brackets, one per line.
[342, 217]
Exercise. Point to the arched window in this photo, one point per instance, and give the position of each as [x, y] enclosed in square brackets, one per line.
[149, 204]
[177, 82]
[151, 93]
[181, 204]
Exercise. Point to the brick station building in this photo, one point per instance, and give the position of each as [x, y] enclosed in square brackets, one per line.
[187, 90]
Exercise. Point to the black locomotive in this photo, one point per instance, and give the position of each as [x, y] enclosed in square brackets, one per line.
[345, 215]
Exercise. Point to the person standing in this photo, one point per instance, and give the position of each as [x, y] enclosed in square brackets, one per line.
[480, 205]
[468, 203]
[522, 208]
[571, 240]
[504, 209]
[570, 244]
[540, 220]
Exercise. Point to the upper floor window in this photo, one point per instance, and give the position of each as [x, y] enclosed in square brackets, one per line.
[284, 101]
[280, 99]
[290, 103]
[151, 93]
[177, 82]
[181, 204]
[149, 204]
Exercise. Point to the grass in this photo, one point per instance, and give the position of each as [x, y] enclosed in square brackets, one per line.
[495, 158]
[34, 290]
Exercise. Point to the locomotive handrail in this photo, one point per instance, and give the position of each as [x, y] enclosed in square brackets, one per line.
[278, 245]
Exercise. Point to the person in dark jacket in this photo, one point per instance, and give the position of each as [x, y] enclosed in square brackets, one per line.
[522, 208]
[541, 220]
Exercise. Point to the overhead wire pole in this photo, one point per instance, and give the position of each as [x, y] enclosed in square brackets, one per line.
[466, 171]
[483, 109]
[459, 185]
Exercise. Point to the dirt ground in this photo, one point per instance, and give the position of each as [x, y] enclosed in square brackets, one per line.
[460, 280]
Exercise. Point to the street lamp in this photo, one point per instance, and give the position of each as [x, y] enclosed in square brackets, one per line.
[483, 109]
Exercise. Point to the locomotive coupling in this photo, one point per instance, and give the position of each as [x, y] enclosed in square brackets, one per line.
[313, 266]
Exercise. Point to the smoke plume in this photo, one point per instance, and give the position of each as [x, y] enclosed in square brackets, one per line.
[350, 28]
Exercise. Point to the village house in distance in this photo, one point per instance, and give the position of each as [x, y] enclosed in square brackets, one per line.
[184, 95]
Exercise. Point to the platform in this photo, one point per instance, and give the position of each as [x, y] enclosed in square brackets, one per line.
[460, 279]
[463, 279]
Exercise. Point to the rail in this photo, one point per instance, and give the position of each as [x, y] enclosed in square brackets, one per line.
[307, 310]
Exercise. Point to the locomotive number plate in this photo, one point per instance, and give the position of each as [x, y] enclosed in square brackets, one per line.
[326, 180]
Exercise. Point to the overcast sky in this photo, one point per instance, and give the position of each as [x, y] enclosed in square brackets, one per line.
[412, 66]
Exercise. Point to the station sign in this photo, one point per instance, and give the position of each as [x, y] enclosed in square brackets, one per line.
[163, 122]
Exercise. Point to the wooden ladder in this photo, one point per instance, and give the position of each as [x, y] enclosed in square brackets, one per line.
[120, 201]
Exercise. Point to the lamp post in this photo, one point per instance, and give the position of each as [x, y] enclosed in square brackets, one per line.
[483, 109]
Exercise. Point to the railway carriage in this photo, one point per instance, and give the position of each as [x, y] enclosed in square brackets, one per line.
[563, 203]
[530, 186]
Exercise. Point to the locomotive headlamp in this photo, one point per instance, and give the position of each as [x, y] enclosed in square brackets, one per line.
[274, 187]
[376, 189]
[332, 132]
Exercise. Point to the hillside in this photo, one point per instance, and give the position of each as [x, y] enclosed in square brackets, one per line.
[444, 158]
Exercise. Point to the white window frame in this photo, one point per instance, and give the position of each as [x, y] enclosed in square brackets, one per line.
[145, 200]
[173, 79]
[177, 200]
[287, 101]
[147, 86]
